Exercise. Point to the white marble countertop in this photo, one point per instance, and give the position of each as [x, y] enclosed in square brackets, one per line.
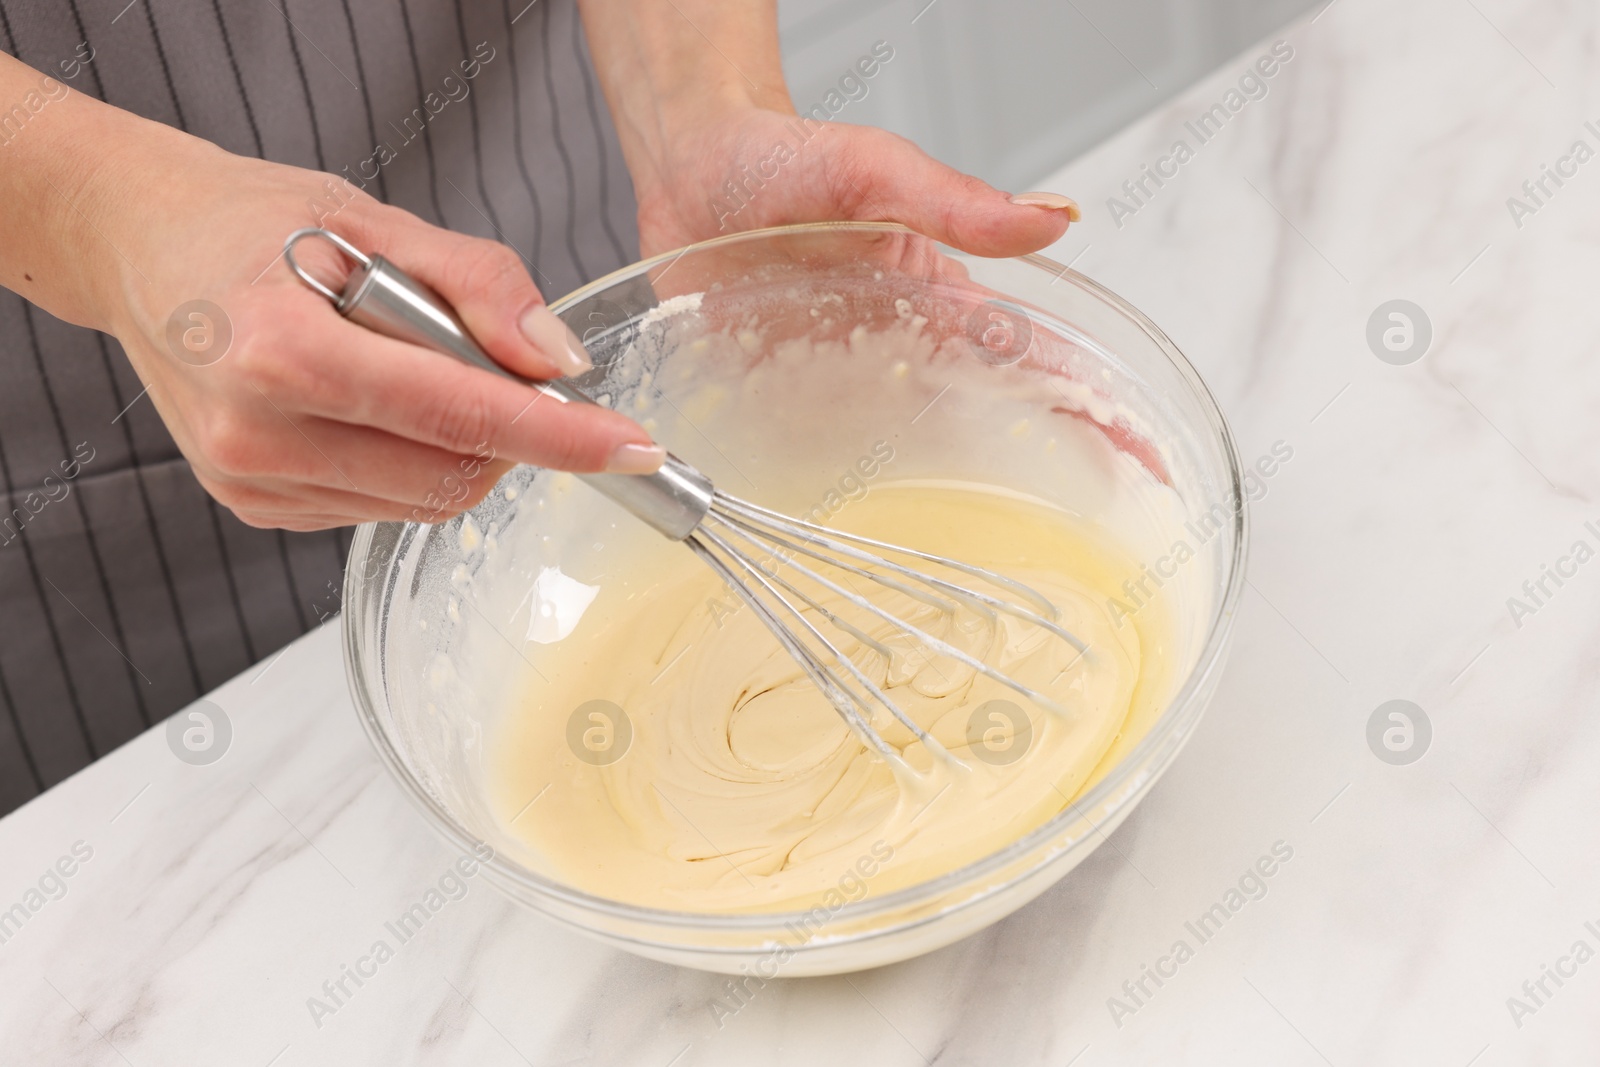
[1419, 897]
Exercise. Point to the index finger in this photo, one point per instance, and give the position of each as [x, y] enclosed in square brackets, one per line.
[338, 370]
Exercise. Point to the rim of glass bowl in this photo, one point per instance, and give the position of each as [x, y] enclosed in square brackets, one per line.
[1121, 785]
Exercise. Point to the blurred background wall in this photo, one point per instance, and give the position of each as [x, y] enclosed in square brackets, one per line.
[1010, 90]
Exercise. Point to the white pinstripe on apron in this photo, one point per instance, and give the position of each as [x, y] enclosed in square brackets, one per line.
[125, 592]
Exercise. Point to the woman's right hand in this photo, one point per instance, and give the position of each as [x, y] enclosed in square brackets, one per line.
[305, 420]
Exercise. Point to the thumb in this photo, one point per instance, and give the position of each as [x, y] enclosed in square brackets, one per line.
[488, 285]
[885, 177]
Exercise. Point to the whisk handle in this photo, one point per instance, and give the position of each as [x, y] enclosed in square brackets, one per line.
[383, 298]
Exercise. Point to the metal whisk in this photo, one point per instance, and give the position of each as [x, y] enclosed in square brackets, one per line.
[743, 542]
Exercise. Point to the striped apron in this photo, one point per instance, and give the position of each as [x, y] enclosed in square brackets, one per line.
[125, 591]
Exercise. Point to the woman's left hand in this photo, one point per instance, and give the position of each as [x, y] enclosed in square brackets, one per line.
[714, 144]
[746, 167]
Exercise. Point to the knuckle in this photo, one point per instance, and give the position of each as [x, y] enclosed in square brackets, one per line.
[457, 420]
[229, 445]
[260, 365]
[853, 172]
[249, 355]
[842, 178]
[567, 453]
[291, 376]
[271, 332]
[565, 449]
[482, 266]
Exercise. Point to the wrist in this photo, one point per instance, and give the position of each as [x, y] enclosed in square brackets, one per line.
[135, 207]
[670, 71]
[69, 181]
[685, 127]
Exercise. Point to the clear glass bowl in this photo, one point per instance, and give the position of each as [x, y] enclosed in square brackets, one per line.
[427, 607]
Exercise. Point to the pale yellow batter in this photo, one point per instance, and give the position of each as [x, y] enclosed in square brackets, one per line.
[742, 789]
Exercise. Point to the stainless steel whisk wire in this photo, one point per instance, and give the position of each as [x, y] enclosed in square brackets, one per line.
[682, 504]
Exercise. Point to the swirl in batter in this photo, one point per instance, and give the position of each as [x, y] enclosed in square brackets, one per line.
[742, 789]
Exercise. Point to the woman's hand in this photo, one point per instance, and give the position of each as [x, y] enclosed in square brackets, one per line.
[303, 419]
[714, 144]
[747, 166]
[309, 420]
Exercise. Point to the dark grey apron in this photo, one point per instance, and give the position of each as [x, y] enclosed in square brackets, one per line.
[125, 592]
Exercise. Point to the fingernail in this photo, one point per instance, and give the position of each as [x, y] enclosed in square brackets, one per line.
[636, 459]
[1053, 201]
[545, 331]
